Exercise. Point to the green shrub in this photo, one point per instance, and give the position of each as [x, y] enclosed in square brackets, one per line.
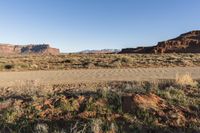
[9, 66]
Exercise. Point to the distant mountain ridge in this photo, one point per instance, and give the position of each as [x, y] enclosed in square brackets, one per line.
[102, 51]
[185, 43]
[8, 49]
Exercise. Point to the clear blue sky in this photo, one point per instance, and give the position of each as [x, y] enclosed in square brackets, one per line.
[74, 25]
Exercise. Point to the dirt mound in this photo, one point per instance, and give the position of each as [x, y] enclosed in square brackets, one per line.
[6, 49]
[151, 103]
[185, 43]
[147, 102]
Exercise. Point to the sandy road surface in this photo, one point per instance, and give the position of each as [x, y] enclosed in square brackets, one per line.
[96, 75]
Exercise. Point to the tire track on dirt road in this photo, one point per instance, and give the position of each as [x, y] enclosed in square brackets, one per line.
[96, 75]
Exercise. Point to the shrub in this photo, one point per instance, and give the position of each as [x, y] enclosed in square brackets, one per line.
[185, 80]
[9, 66]
[96, 125]
[126, 59]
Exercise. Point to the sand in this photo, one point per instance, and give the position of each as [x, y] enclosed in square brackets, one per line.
[96, 75]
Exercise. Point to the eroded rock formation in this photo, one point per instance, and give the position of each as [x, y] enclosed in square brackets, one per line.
[186, 43]
[6, 49]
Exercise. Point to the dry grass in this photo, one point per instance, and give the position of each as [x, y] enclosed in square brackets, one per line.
[184, 80]
[91, 61]
[26, 88]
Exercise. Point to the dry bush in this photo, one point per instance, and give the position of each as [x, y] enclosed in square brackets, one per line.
[30, 88]
[41, 128]
[96, 126]
[184, 80]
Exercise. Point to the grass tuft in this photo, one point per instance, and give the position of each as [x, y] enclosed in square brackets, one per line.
[184, 80]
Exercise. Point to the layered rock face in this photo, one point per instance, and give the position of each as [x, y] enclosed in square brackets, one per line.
[185, 43]
[6, 49]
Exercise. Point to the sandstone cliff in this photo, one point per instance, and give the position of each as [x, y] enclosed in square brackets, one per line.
[186, 43]
[7, 49]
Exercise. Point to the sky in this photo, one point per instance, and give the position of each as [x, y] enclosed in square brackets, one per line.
[75, 25]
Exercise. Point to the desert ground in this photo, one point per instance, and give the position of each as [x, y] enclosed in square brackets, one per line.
[100, 93]
[96, 61]
[77, 68]
[96, 75]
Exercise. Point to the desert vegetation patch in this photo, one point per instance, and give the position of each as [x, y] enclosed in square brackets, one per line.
[158, 106]
[96, 61]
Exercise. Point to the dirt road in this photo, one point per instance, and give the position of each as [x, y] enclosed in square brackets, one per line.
[96, 75]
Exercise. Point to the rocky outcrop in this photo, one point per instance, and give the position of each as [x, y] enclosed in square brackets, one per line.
[6, 49]
[185, 43]
[137, 50]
